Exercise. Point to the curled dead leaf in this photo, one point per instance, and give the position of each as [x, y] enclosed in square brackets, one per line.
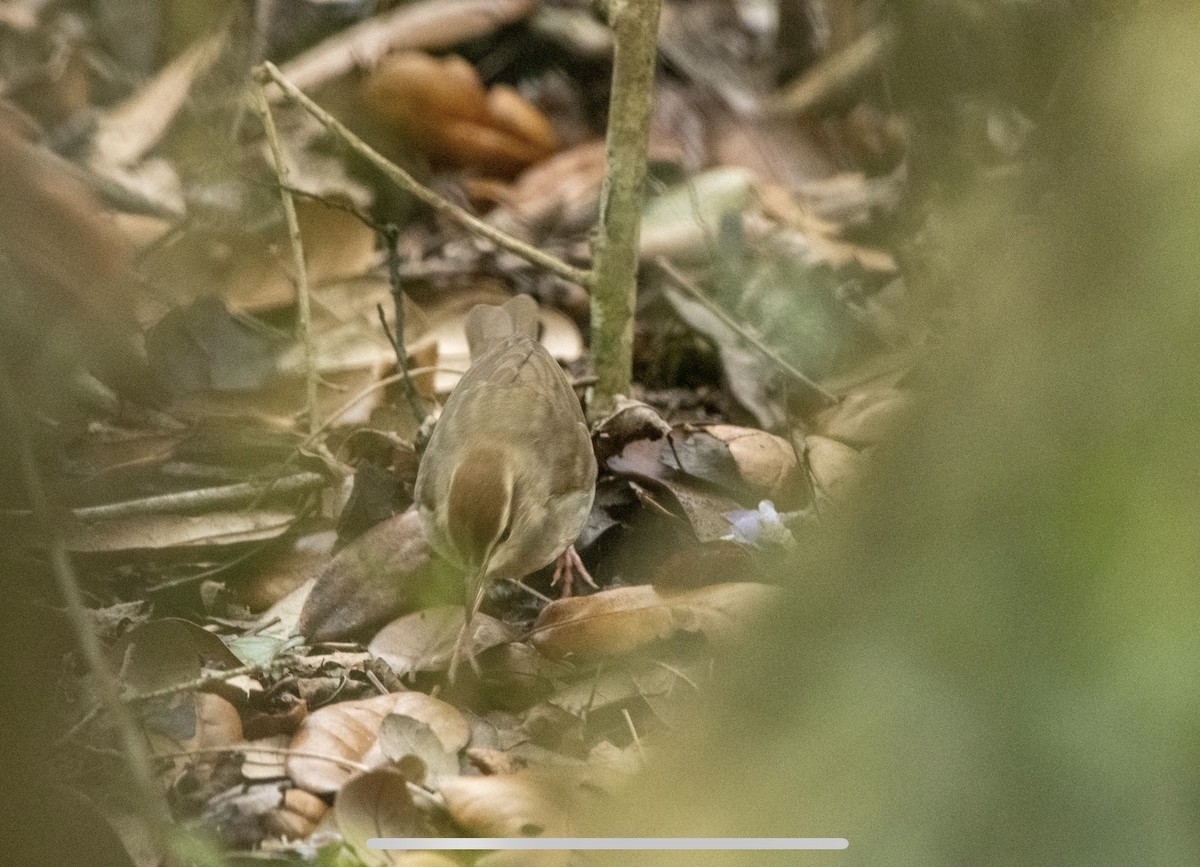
[730, 455]
[297, 816]
[619, 621]
[349, 731]
[442, 103]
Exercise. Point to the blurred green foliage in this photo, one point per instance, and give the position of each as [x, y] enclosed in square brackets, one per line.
[996, 660]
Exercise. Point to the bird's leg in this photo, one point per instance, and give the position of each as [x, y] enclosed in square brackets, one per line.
[567, 567]
[466, 636]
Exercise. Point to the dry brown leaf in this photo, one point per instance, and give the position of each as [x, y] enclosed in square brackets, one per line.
[291, 568]
[336, 245]
[350, 730]
[865, 417]
[442, 103]
[618, 621]
[763, 462]
[424, 640]
[168, 652]
[378, 575]
[525, 804]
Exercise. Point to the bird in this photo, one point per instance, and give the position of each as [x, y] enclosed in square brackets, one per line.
[507, 480]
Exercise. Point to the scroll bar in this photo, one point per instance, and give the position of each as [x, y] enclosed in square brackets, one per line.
[609, 843]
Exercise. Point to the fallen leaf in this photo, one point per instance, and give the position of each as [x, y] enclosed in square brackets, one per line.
[166, 532]
[402, 737]
[378, 575]
[739, 457]
[442, 103]
[377, 804]
[526, 804]
[168, 652]
[297, 816]
[424, 640]
[864, 417]
[614, 622]
[350, 730]
[833, 464]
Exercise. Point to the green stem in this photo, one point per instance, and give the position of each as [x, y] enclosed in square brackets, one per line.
[614, 293]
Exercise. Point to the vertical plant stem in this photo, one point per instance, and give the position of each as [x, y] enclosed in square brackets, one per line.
[133, 743]
[304, 325]
[614, 291]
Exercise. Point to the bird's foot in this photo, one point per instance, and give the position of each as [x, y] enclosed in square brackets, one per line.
[567, 567]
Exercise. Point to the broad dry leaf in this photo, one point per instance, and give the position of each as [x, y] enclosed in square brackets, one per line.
[349, 730]
[525, 804]
[833, 464]
[378, 575]
[442, 103]
[403, 738]
[337, 245]
[424, 640]
[864, 417]
[618, 621]
[168, 652]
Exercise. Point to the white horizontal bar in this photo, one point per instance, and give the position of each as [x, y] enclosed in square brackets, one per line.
[608, 843]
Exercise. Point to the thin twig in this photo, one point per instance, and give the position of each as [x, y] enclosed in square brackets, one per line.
[303, 301]
[833, 75]
[813, 391]
[402, 179]
[207, 680]
[391, 239]
[133, 742]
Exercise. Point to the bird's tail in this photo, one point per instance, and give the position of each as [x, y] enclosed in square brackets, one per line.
[488, 324]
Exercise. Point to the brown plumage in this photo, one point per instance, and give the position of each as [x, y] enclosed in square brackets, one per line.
[507, 480]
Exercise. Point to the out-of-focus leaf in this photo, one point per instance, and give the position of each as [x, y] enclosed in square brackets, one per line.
[618, 621]
[443, 105]
[833, 464]
[686, 218]
[526, 804]
[350, 730]
[377, 804]
[865, 417]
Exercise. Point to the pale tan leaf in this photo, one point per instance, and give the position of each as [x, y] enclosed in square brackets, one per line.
[377, 804]
[350, 730]
[424, 640]
[864, 417]
[618, 621]
[833, 464]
